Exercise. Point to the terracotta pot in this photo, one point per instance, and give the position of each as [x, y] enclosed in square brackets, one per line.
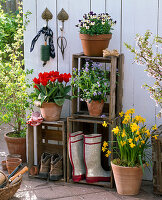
[93, 45]
[51, 111]
[16, 146]
[127, 179]
[3, 163]
[95, 107]
[12, 163]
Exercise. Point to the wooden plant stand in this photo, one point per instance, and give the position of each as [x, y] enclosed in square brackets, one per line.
[51, 138]
[80, 119]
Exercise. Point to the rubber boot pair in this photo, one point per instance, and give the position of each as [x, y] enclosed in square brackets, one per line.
[85, 157]
[52, 166]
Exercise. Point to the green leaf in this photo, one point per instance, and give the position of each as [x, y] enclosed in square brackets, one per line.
[59, 102]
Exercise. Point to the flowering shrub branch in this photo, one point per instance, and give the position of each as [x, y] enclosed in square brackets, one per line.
[153, 61]
[94, 24]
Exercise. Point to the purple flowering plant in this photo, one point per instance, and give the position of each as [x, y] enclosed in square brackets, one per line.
[147, 55]
[93, 24]
[91, 82]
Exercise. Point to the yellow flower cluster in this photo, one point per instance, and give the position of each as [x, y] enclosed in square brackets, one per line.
[155, 136]
[104, 146]
[116, 130]
[154, 127]
[108, 153]
[134, 127]
[130, 111]
[138, 119]
[104, 124]
[122, 143]
[132, 145]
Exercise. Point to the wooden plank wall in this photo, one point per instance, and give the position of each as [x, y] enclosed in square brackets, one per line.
[132, 17]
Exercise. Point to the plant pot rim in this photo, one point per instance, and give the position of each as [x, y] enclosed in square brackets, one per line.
[6, 135]
[95, 101]
[128, 167]
[95, 37]
[95, 34]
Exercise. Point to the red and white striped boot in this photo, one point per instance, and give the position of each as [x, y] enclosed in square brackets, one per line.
[76, 156]
[92, 159]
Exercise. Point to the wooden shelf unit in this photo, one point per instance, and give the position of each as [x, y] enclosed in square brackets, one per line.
[50, 135]
[81, 120]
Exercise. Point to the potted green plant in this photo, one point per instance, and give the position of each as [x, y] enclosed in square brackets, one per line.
[133, 139]
[13, 84]
[94, 85]
[51, 89]
[95, 32]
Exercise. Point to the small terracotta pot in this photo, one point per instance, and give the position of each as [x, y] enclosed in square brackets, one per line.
[3, 163]
[51, 111]
[93, 45]
[12, 163]
[127, 179]
[95, 107]
[16, 146]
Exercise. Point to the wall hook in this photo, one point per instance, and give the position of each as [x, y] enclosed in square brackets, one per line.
[47, 15]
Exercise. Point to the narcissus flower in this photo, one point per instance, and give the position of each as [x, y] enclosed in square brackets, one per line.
[116, 130]
[104, 124]
[108, 153]
[121, 114]
[154, 127]
[132, 145]
[155, 136]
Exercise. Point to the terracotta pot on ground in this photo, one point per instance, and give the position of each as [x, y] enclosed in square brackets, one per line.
[3, 163]
[51, 111]
[127, 179]
[93, 45]
[12, 163]
[95, 107]
[16, 146]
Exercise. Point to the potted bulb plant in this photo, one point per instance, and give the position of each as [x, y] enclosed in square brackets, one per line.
[13, 83]
[94, 85]
[51, 89]
[133, 139]
[95, 32]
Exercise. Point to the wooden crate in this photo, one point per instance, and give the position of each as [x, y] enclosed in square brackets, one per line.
[116, 84]
[51, 138]
[157, 161]
[89, 125]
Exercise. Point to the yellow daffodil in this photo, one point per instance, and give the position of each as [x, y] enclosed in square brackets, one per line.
[140, 137]
[121, 114]
[148, 133]
[143, 141]
[123, 133]
[147, 164]
[127, 117]
[130, 140]
[116, 130]
[108, 153]
[155, 136]
[137, 132]
[103, 149]
[122, 143]
[125, 121]
[154, 127]
[130, 111]
[132, 145]
[138, 118]
[105, 144]
[134, 127]
[104, 124]
[136, 139]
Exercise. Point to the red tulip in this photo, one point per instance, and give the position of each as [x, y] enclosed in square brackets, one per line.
[36, 80]
[60, 78]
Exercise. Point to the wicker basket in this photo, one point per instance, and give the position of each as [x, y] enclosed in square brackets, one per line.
[9, 191]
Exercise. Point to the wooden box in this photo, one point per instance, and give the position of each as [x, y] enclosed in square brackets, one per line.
[157, 161]
[51, 138]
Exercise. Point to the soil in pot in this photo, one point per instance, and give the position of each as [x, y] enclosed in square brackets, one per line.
[95, 107]
[51, 111]
[127, 179]
[16, 145]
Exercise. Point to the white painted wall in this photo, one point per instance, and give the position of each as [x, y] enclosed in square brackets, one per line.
[133, 16]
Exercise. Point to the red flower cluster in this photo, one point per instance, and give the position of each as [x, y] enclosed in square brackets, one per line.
[52, 76]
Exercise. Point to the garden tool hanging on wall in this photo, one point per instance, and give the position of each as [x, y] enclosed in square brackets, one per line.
[61, 40]
[47, 51]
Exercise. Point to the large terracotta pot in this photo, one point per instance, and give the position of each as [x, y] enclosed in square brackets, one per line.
[51, 111]
[127, 179]
[95, 107]
[95, 44]
[16, 146]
